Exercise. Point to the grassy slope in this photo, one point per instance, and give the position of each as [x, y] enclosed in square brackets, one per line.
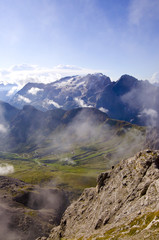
[142, 227]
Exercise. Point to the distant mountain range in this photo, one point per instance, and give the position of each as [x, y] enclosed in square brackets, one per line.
[127, 99]
[67, 93]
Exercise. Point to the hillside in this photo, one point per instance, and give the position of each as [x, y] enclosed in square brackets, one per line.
[29, 129]
[124, 204]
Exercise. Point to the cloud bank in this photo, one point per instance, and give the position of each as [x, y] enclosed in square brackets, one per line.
[23, 73]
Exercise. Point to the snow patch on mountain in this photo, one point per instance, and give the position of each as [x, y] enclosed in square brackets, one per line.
[64, 83]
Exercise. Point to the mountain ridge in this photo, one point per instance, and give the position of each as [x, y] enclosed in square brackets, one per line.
[127, 99]
[32, 126]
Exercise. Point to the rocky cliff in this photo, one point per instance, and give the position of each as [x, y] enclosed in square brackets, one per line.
[124, 204]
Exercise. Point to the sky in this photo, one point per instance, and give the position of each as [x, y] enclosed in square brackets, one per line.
[44, 40]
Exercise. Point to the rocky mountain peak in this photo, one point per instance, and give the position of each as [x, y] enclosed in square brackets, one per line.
[97, 81]
[124, 202]
[125, 84]
[127, 80]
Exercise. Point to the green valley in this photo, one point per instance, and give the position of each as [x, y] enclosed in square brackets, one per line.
[78, 162]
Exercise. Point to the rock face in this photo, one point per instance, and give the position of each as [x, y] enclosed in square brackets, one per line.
[124, 204]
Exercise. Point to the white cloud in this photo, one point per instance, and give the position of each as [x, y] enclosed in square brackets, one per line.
[34, 91]
[24, 99]
[23, 73]
[104, 110]
[150, 112]
[70, 67]
[3, 129]
[150, 115]
[6, 169]
[13, 90]
[68, 161]
[81, 103]
[22, 67]
[51, 102]
[155, 78]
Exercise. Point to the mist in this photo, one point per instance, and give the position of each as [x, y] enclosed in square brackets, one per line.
[150, 116]
[47, 206]
[82, 129]
[4, 130]
[6, 169]
[143, 102]
[88, 129]
[6, 230]
[133, 141]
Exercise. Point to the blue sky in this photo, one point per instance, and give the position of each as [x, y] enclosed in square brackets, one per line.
[50, 36]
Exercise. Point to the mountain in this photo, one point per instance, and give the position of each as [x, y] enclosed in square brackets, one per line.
[128, 99]
[7, 112]
[124, 204]
[131, 100]
[67, 93]
[32, 126]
